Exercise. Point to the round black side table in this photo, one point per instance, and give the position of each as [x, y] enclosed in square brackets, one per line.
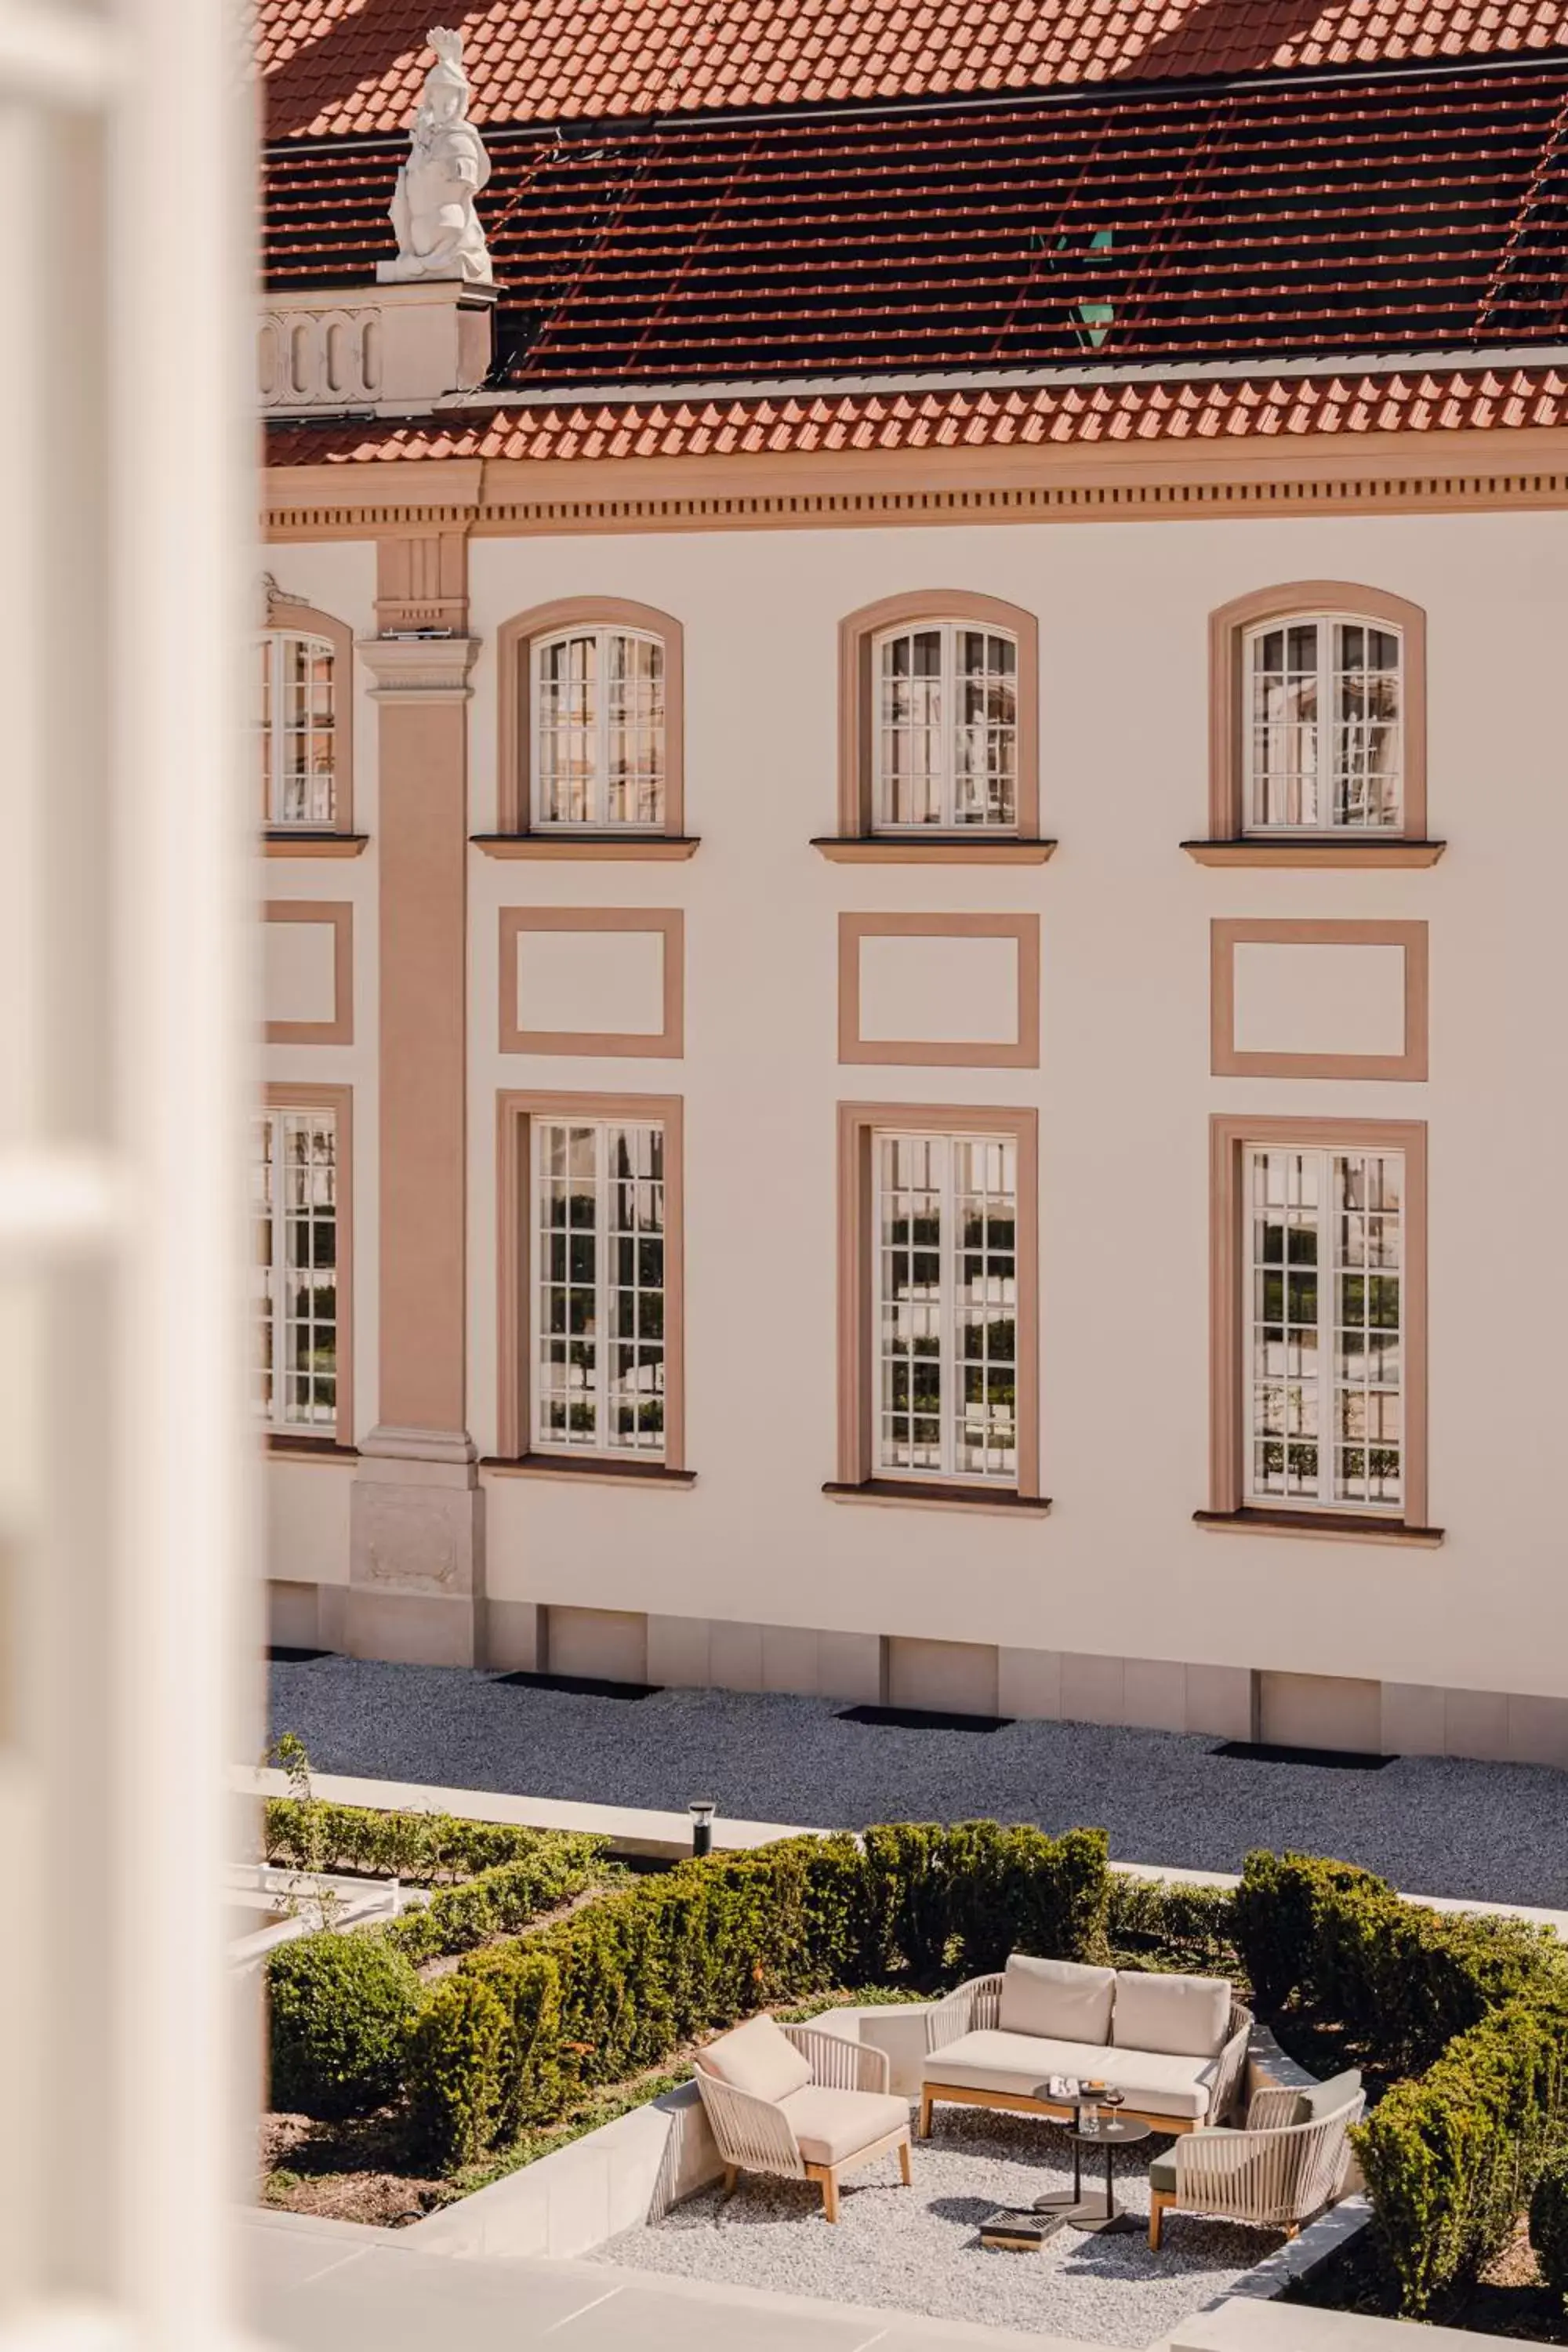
[1093, 2213]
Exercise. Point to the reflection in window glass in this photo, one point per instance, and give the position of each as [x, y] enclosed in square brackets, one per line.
[598, 1286]
[599, 729]
[945, 1294]
[1325, 1321]
[1323, 733]
[297, 730]
[946, 728]
[294, 1270]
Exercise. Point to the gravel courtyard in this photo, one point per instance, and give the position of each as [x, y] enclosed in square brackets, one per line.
[918, 2249]
[1492, 1832]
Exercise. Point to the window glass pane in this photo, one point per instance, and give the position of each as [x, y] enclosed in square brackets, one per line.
[985, 745]
[945, 728]
[634, 674]
[295, 1268]
[908, 729]
[1322, 725]
[298, 730]
[1367, 734]
[1323, 1309]
[599, 729]
[945, 1287]
[566, 721]
[1283, 722]
[598, 1306]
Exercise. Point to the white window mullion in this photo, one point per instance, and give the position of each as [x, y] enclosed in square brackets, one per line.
[1328, 1278]
[604, 1434]
[948, 1315]
[953, 705]
[599, 804]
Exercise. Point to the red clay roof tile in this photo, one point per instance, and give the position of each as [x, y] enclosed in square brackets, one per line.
[340, 67]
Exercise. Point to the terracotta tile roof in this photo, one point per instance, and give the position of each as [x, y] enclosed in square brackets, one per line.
[1041, 418]
[1412, 214]
[337, 66]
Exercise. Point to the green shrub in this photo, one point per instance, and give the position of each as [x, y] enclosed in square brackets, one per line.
[1168, 1924]
[1450, 2159]
[1275, 1914]
[340, 2009]
[1401, 1978]
[431, 1849]
[454, 2070]
[1549, 2221]
[947, 1903]
[500, 1902]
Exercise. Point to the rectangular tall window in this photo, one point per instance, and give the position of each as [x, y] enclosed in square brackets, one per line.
[598, 1259]
[945, 1306]
[947, 727]
[1325, 1321]
[294, 1199]
[1322, 725]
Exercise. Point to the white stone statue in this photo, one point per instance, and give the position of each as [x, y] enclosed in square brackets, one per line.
[438, 231]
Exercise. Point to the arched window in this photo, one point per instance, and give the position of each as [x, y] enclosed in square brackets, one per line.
[1324, 726]
[590, 739]
[302, 720]
[945, 728]
[598, 729]
[1318, 726]
[939, 701]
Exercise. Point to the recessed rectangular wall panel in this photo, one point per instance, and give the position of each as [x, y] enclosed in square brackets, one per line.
[592, 979]
[940, 988]
[307, 971]
[1319, 1000]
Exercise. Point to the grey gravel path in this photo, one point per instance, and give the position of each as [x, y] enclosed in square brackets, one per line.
[917, 2249]
[1493, 1831]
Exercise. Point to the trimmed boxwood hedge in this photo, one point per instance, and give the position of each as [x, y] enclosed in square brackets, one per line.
[340, 2010]
[617, 1985]
[429, 1849]
[1476, 2008]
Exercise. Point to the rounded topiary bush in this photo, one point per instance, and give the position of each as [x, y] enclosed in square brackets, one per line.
[1549, 2221]
[341, 2008]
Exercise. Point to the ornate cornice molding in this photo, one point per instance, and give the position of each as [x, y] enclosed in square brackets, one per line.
[1404, 472]
[419, 669]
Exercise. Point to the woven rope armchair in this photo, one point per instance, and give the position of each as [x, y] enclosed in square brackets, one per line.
[1273, 2173]
[801, 2137]
[974, 2007]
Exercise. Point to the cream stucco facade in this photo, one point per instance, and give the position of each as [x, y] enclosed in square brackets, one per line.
[1115, 1605]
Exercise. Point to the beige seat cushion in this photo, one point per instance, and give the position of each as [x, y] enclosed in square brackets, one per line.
[1185, 2016]
[758, 2057]
[1155, 2082]
[833, 2126]
[1059, 2000]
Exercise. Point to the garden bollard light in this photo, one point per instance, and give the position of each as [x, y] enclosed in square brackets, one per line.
[701, 1810]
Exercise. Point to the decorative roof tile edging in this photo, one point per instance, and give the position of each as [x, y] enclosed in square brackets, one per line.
[1262, 407]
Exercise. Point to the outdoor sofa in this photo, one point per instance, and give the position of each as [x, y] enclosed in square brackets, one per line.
[1174, 2046]
[801, 2103]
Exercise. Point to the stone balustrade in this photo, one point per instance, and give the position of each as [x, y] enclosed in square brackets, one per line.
[385, 349]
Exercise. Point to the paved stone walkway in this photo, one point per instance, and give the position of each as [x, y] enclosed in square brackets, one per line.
[1488, 1831]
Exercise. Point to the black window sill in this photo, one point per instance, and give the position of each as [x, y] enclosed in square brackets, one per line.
[932, 849]
[935, 1495]
[310, 1449]
[586, 1466]
[1333, 1526]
